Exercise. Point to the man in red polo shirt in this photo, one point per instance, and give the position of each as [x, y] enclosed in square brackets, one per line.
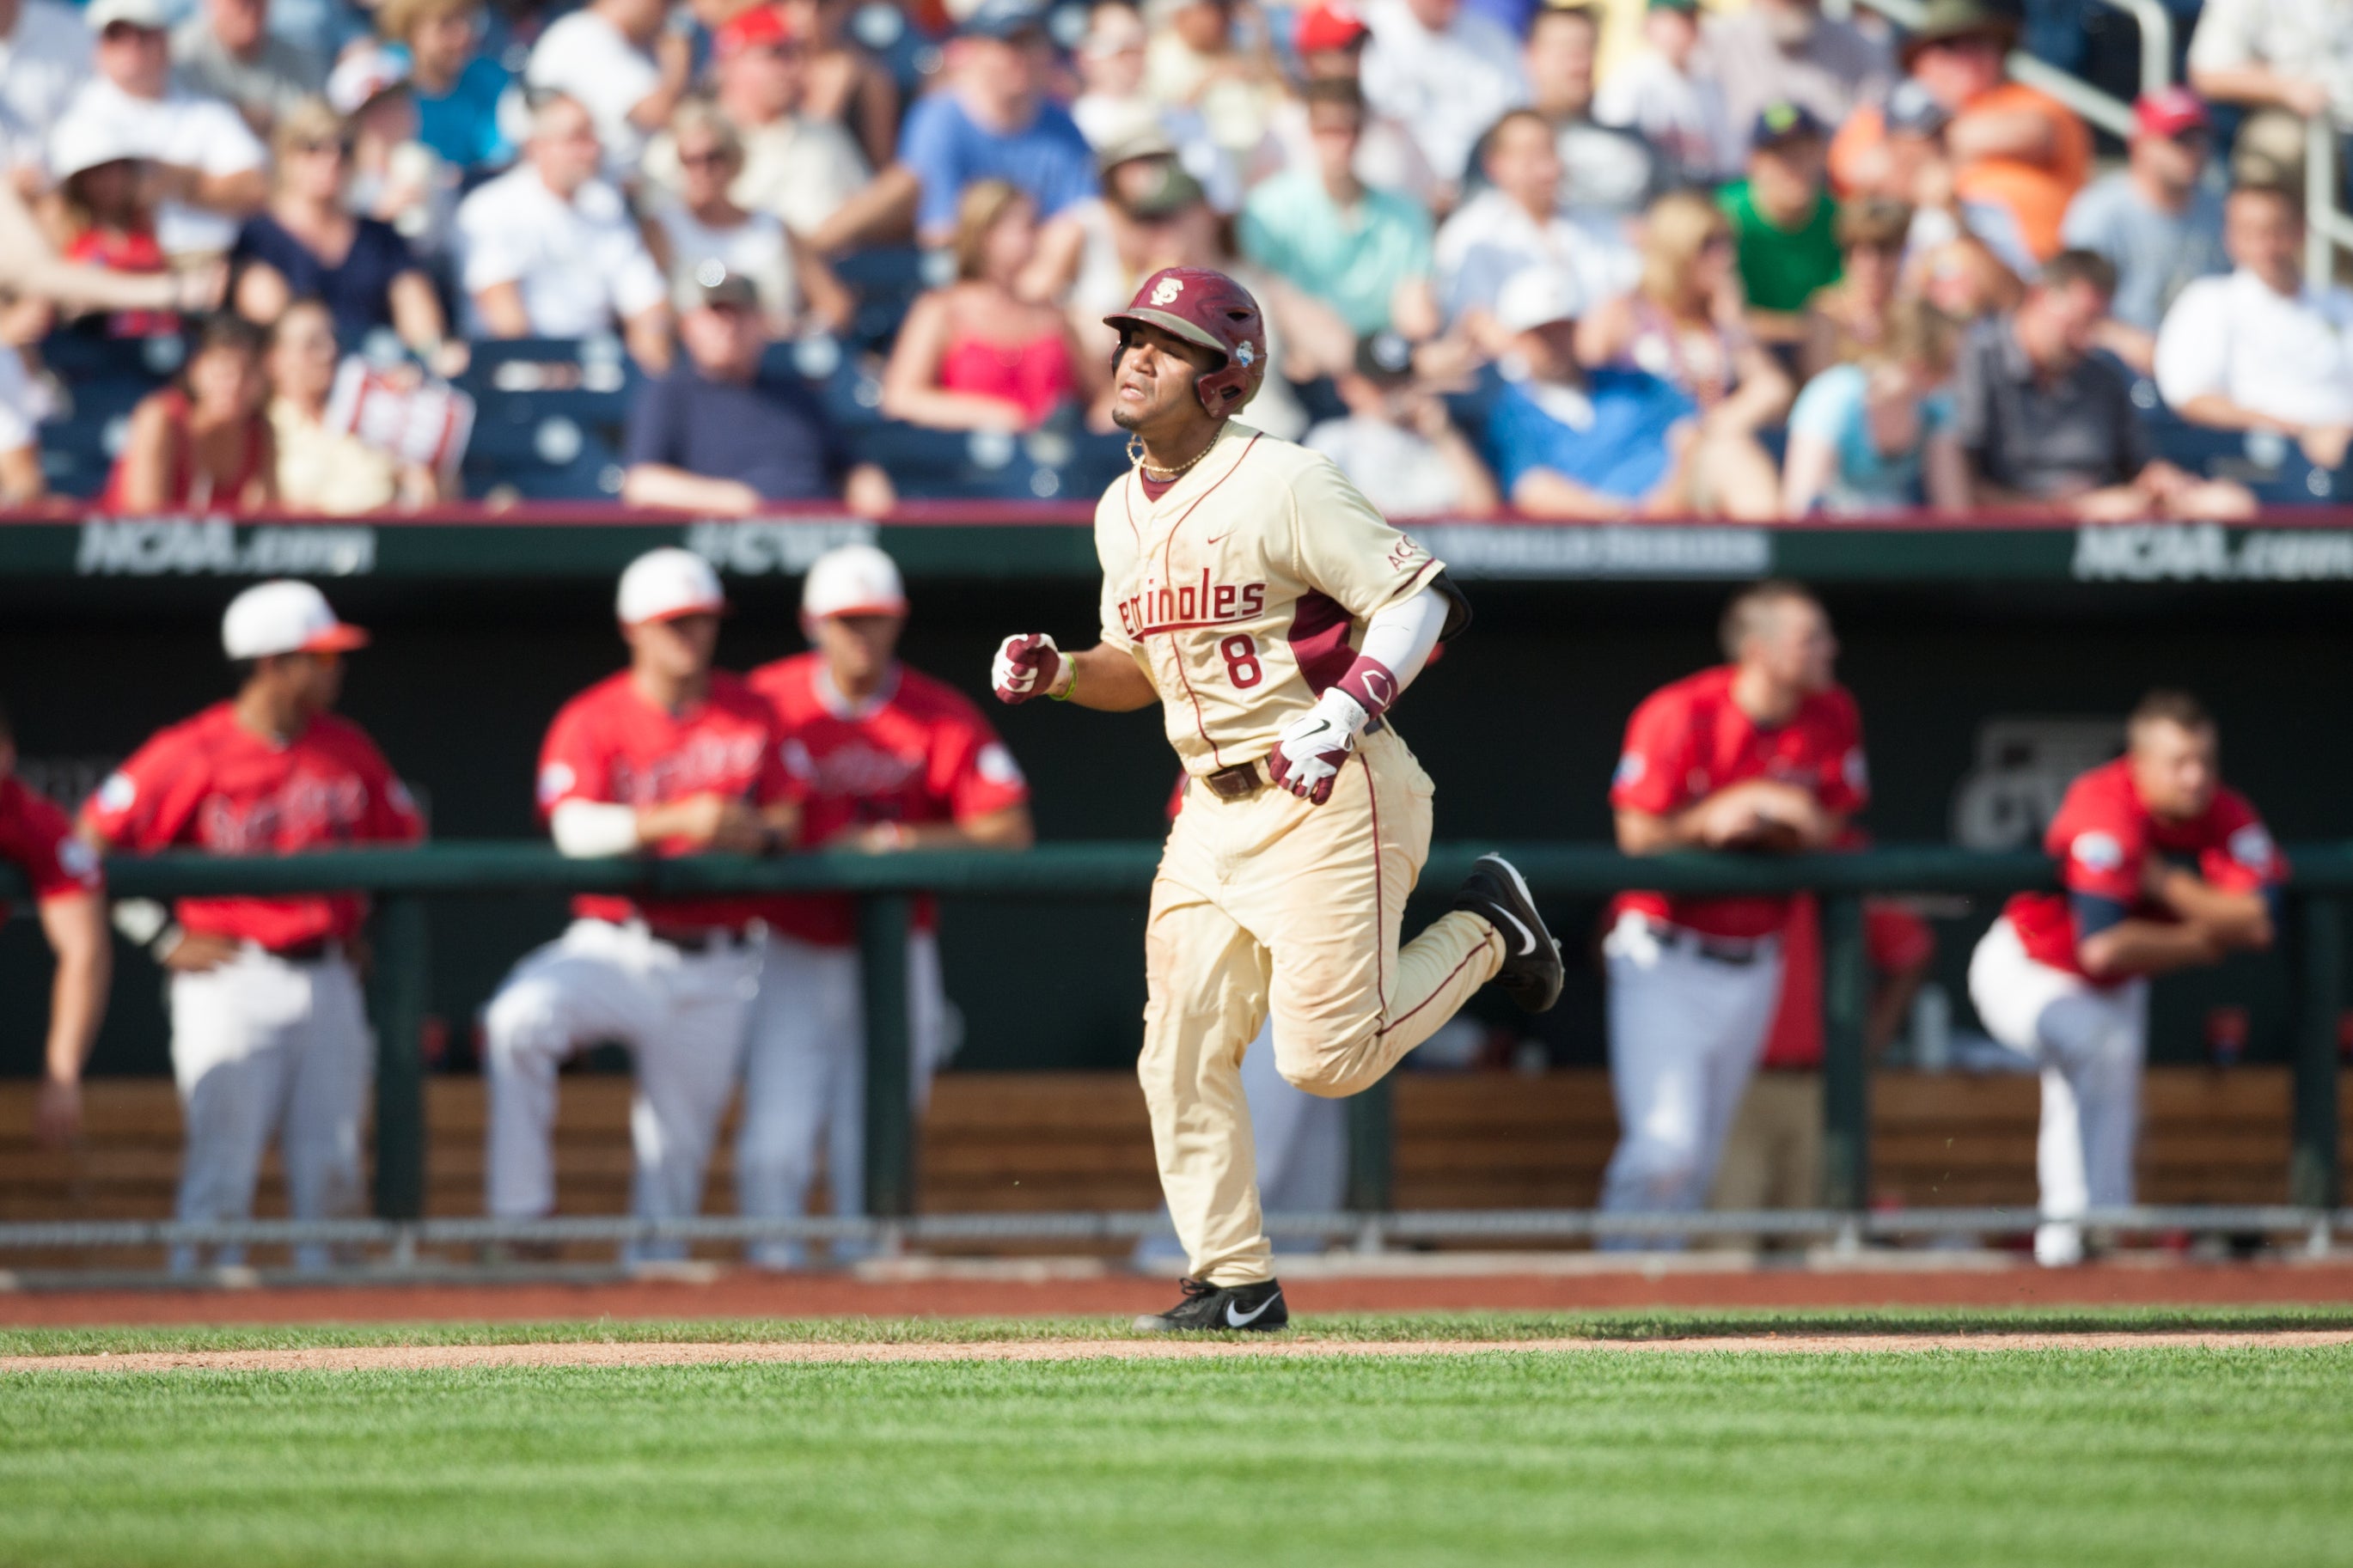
[2164, 868]
[890, 760]
[669, 757]
[270, 1033]
[1763, 754]
[69, 894]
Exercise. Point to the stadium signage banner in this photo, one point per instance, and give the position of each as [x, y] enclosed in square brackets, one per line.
[1557, 554]
[2209, 553]
[763, 548]
[214, 547]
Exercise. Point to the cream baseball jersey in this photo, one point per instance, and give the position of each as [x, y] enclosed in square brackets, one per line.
[1242, 591]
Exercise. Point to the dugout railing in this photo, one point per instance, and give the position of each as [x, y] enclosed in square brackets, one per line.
[404, 884]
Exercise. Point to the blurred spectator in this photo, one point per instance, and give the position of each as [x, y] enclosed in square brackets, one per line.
[1658, 94]
[226, 52]
[2263, 349]
[805, 171]
[1366, 253]
[2010, 144]
[1197, 59]
[1876, 433]
[721, 433]
[203, 442]
[703, 225]
[320, 469]
[44, 59]
[394, 177]
[2289, 61]
[1916, 167]
[2043, 420]
[1850, 318]
[992, 122]
[1444, 73]
[1683, 323]
[1786, 51]
[846, 86]
[21, 411]
[32, 273]
[1399, 446]
[205, 165]
[455, 85]
[976, 355]
[1609, 444]
[2156, 220]
[103, 216]
[68, 891]
[1607, 169]
[1784, 223]
[1152, 214]
[1517, 222]
[618, 60]
[1329, 41]
[306, 245]
[1962, 278]
[1115, 108]
[548, 250]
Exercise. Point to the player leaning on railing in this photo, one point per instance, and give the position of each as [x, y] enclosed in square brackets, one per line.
[1275, 616]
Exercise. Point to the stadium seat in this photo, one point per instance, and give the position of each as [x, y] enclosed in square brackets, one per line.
[2267, 462]
[99, 381]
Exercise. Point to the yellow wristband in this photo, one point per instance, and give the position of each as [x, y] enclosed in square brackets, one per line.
[1071, 689]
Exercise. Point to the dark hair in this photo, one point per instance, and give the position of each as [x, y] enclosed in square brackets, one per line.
[1746, 615]
[1587, 15]
[1874, 221]
[1488, 138]
[1338, 91]
[2085, 267]
[225, 329]
[2170, 705]
[2278, 193]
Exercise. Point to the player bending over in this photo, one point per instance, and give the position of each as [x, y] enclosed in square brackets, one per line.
[1275, 616]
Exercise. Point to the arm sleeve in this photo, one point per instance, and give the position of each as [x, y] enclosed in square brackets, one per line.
[56, 864]
[570, 767]
[1400, 637]
[1654, 762]
[2193, 354]
[1344, 549]
[490, 255]
[135, 808]
[2103, 858]
[589, 830]
[2246, 861]
[977, 776]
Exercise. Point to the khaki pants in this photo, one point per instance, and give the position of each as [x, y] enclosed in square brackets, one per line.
[1773, 1155]
[1269, 905]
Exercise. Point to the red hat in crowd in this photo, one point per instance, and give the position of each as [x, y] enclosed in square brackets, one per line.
[761, 28]
[2170, 111]
[1327, 25]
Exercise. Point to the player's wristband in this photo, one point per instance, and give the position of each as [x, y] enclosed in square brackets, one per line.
[1070, 687]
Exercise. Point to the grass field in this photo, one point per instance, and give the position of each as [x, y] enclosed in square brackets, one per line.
[2143, 1456]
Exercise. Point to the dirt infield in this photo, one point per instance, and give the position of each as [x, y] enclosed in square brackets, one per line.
[468, 1357]
[747, 1294]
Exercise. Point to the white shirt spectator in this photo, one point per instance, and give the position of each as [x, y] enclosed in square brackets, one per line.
[1446, 86]
[1680, 116]
[755, 248]
[579, 264]
[2289, 357]
[801, 170]
[1492, 238]
[2309, 38]
[585, 57]
[21, 405]
[1401, 471]
[44, 60]
[202, 133]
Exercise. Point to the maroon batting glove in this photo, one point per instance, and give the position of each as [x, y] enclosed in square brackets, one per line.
[1026, 666]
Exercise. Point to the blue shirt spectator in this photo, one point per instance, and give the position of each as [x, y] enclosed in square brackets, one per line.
[455, 78]
[1609, 436]
[992, 122]
[2157, 220]
[1835, 409]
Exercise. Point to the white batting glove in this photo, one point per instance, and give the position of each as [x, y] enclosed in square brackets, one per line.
[1314, 747]
[1027, 667]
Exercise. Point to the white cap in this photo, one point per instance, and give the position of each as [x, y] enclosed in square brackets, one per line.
[362, 75]
[285, 616]
[853, 580]
[663, 584]
[79, 142]
[103, 14]
[1537, 297]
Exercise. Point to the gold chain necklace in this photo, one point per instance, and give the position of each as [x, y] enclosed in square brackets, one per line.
[1152, 471]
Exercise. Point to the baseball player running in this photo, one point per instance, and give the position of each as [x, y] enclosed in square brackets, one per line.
[2163, 868]
[70, 895]
[270, 1034]
[669, 757]
[1762, 753]
[1251, 591]
[889, 759]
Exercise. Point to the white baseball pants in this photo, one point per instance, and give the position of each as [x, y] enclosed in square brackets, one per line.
[2090, 1043]
[266, 1048]
[1685, 1031]
[683, 1016]
[805, 1078]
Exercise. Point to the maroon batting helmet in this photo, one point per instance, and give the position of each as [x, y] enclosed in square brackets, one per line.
[1213, 311]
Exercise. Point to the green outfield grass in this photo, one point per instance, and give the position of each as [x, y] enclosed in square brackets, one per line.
[2080, 1457]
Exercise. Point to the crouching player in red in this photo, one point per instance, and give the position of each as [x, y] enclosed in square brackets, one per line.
[2164, 868]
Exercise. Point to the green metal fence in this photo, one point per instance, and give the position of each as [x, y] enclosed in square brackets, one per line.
[405, 881]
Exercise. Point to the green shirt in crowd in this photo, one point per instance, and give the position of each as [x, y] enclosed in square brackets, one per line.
[1780, 269]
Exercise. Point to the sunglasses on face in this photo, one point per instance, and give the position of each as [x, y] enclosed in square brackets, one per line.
[130, 32]
[710, 159]
[337, 145]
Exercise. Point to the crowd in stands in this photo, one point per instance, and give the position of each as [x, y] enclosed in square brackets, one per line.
[1755, 260]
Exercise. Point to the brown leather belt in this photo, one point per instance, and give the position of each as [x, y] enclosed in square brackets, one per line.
[1244, 780]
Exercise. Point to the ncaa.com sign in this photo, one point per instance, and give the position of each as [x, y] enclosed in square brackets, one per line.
[214, 547]
[2209, 553]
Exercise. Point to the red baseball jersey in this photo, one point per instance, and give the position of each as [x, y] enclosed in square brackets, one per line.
[610, 745]
[2104, 838]
[918, 751]
[210, 784]
[38, 839]
[1690, 740]
[1894, 938]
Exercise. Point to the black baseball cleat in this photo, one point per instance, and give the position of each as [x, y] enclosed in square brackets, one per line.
[1222, 1309]
[1532, 972]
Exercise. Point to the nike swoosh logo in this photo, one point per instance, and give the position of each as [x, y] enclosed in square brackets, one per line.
[1527, 937]
[1220, 538]
[1235, 1319]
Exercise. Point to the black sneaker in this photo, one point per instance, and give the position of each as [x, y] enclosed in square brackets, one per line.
[1222, 1309]
[1532, 972]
